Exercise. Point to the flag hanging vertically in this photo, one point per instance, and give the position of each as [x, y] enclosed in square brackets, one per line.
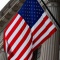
[27, 30]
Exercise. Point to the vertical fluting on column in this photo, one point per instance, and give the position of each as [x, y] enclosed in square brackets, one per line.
[50, 48]
[2, 53]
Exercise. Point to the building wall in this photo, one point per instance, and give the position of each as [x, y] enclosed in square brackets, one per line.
[51, 45]
[50, 49]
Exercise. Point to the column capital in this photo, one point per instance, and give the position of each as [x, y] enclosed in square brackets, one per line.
[52, 2]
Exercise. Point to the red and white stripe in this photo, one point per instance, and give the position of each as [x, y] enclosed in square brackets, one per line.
[21, 41]
[18, 39]
[42, 30]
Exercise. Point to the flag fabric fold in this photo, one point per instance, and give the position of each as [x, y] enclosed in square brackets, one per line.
[26, 31]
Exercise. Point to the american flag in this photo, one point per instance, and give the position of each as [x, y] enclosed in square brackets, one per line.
[27, 30]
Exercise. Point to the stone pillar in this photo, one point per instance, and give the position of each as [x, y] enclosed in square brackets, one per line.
[50, 48]
[2, 53]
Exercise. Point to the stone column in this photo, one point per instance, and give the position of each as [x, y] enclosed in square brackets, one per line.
[50, 48]
[2, 53]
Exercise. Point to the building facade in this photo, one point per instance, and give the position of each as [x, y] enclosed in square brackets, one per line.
[50, 49]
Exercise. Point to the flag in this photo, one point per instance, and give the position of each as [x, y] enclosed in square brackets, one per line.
[26, 31]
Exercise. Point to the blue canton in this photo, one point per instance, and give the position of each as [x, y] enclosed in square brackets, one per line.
[31, 11]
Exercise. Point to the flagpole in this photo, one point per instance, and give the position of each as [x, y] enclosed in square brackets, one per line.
[51, 14]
